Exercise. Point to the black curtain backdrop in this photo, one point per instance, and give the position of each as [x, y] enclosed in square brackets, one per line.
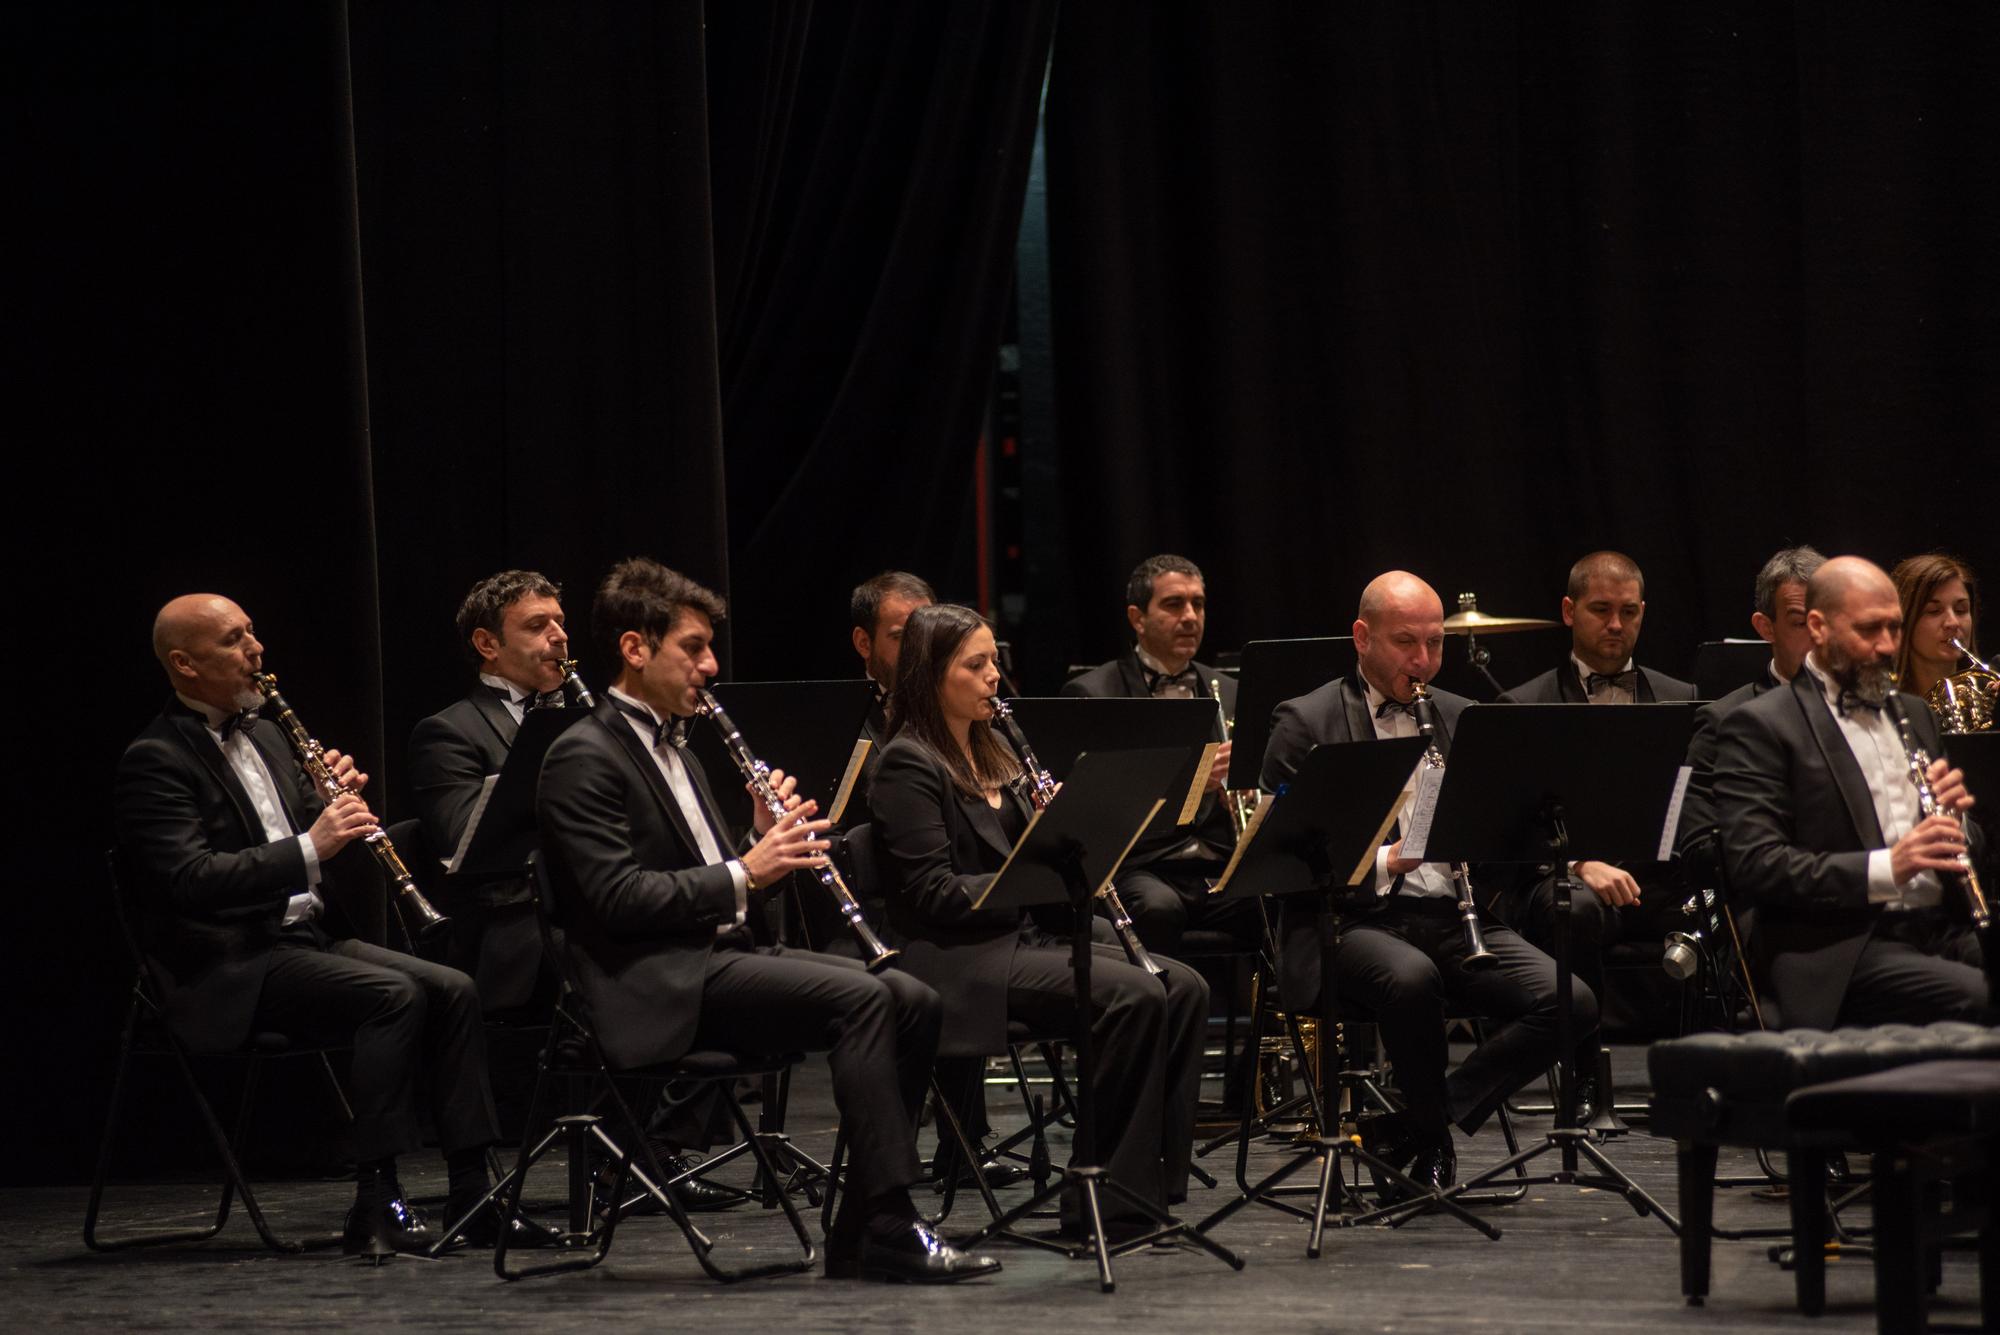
[335, 308]
[1474, 289]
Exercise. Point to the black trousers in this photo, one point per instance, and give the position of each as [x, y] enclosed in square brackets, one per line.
[1167, 899]
[1146, 1034]
[500, 947]
[1914, 971]
[1595, 927]
[1403, 963]
[879, 1031]
[415, 1027]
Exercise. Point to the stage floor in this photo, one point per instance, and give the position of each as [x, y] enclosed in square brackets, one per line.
[1568, 1260]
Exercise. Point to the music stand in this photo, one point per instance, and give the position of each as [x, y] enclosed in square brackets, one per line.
[1273, 672]
[501, 832]
[1317, 832]
[1530, 784]
[1066, 727]
[805, 728]
[1070, 848]
[1720, 666]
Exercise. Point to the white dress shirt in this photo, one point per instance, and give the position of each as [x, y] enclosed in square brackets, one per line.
[248, 766]
[516, 699]
[1871, 736]
[1166, 690]
[1432, 878]
[1606, 693]
[674, 770]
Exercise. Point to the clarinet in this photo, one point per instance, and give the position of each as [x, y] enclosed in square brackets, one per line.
[1461, 877]
[574, 685]
[874, 954]
[1967, 877]
[1042, 791]
[420, 920]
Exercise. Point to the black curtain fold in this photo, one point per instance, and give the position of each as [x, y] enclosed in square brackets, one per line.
[1474, 290]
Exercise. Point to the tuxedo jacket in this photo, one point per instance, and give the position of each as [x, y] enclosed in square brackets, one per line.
[451, 753]
[207, 888]
[1797, 827]
[1336, 712]
[1698, 806]
[938, 850]
[1559, 686]
[638, 907]
[1123, 678]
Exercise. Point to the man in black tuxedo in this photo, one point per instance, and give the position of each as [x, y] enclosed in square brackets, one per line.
[235, 861]
[878, 608]
[1604, 607]
[653, 909]
[1164, 880]
[1858, 919]
[1402, 945]
[511, 624]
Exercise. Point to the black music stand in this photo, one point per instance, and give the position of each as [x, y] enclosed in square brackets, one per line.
[501, 832]
[1066, 727]
[1720, 666]
[1320, 832]
[1554, 783]
[1070, 848]
[1273, 672]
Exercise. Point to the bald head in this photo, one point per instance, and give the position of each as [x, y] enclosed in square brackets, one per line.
[208, 650]
[1835, 584]
[1398, 592]
[1399, 634]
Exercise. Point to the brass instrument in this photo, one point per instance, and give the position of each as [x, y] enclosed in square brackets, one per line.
[874, 954]
[574, 685]
[1242, 801]
[1468, 909]
[1920, 764]
[1963, 701]
[420, 920]
[1042, 791]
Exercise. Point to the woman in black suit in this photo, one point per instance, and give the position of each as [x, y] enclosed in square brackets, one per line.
[948, 805]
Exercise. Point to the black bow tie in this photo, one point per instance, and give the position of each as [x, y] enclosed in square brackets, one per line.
[1393, 706]
[545, 700]
[673, 730]
[1627, 681]
[239, 722]
[1848, 700]
[1187, 677]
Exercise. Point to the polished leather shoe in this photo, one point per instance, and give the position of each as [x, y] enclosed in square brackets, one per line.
[998, 1176]
[1430, 1161]
[381, 1232]
[1587, 1097]
[484, 1228]
[912, 1255]
[695, 1195]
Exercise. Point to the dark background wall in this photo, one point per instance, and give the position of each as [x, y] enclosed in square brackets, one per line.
[336, 307]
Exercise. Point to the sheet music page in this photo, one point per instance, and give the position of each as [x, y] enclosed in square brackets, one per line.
[1673, 825]
[1264, 801]
[1193, 803]
[1423, 807]
[848, 779]
[452, 863]
[1366, 867]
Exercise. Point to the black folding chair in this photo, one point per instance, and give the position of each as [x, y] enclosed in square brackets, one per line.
[574, 1057]
[146, 1034]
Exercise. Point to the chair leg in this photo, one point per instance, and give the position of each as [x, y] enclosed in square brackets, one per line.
[579, 1132]
[339, 1094]
[1808, 1202]
[948, 1124]
[1695, 1164]
[1900, 1297]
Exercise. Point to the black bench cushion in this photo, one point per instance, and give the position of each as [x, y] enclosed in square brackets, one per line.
[1904, 1105]
[1769, 1066]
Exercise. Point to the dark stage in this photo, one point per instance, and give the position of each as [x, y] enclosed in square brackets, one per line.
[1568, 1260]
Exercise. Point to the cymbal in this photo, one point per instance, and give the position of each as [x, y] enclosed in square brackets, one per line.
[1476, 622]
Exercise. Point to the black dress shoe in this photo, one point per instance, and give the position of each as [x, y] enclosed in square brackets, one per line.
[913, 1255]
[381, 1232]
[484, 1228]
[695, 1195]
[1435, 1167]
[998, 1176]
[1430, 1160]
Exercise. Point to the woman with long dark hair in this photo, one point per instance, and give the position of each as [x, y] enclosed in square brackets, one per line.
[948, 805]
[1940, 601]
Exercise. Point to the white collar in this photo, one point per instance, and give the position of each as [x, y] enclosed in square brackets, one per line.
[210, 715]
[1153, 664]
[1584, 671]
[515, 695]
[636, 703]
[1828, 687]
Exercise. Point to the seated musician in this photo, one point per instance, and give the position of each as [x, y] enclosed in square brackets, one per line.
[1402, 945]
[1860, 919]
[879, 608]
[654, 907]
[1604, 607]
[512, 626]
[1940, 602]
[1164, 880]
[948, 806]
[240, 868]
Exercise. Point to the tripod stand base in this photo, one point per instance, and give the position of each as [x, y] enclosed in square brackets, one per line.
[1572, 1143]
[1093, 1185]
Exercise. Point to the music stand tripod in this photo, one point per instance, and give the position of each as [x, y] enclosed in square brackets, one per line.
[1104, 804]
[1530, 784]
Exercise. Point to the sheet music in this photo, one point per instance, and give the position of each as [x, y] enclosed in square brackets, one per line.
[848, 779]
[1423, 807]
[1673, 825]
[1243, 841]
[452, 863]
[1193, 803]
[1365, 869]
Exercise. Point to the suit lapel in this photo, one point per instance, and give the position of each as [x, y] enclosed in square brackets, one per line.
[498, 717]
[986, 820]
[195, 735]
[642, 759]
[1643, 689]
[1132, 676]
[1569, 685]
[1839, 758]
[1354, 701]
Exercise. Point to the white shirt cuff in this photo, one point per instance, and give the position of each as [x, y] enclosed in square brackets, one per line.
[312, 859]
[1882, 888]
[1384, 879]
[739, 876]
